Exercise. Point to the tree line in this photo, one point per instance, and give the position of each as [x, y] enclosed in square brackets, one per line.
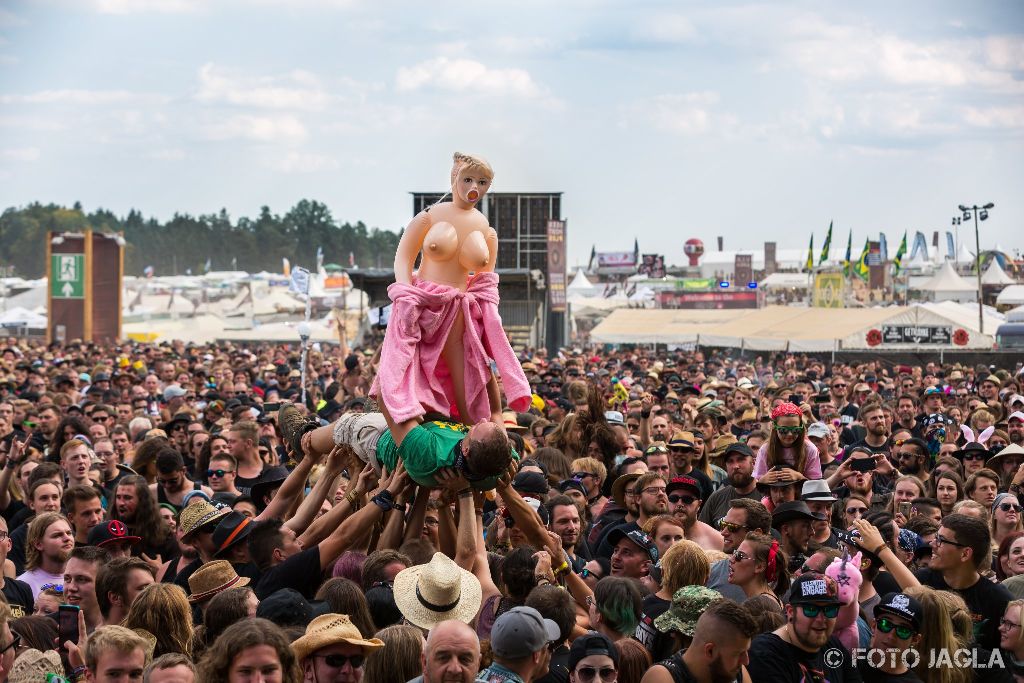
[188, 243]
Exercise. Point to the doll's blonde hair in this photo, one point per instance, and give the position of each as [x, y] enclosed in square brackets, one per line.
[467, 162]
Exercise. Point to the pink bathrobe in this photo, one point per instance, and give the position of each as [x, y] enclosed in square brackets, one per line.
[413, 377]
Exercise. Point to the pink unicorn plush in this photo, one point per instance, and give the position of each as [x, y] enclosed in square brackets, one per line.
[846, 572]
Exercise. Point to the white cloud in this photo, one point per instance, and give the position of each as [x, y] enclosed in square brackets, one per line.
[462, 75]
[168, 154]
[285, 129]
[666, 29]
[20, 154]
[296, 90]
[995, 117]
[147, 6]
[682, 114]
[1005, 52]
[302, 162]
[83, 97]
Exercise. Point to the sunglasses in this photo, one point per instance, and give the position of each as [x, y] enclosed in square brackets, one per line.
[218, 473]
[902, 632]
[974, 456]
[590, 673]
[856, 511]
[789, 430]
[730, 526]
[339, 661]
[1006, 507]
[685, 500]
[740, 556]
[812, 611]
[941, 540]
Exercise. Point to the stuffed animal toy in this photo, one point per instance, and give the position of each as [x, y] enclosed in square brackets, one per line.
[845, 571]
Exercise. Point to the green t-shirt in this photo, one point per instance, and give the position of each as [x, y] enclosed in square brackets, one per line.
[426, 449]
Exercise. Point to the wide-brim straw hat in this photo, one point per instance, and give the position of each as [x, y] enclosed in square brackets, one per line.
[330, 629]
[31, 666]
[428, 594]
[212, 578]
[197, 515]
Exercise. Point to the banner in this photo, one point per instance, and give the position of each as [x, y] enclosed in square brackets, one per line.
[743, 269]
[828, 290]
[556, 266]
[950, 247]
[299, 281]
[697, 284]
[770, 257]
[652, 265]
[708, 300]
[920, 245]
[614, 259]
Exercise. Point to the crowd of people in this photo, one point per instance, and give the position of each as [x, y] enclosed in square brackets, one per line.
[176, 512]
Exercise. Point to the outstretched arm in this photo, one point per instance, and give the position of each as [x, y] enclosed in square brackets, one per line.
[351, 529]
[308, 509]
[291, 487]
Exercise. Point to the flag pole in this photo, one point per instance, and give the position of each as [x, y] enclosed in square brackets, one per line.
[304, 336]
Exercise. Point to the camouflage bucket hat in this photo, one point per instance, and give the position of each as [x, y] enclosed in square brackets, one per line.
[688, 603]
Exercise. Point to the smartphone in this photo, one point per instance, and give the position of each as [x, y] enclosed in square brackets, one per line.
[271, 407]
[863, 464]
[905, 509]
[67, 624]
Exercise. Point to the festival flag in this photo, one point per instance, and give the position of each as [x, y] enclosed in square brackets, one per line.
[846, 260]
[286, 265]
[207, 265]
[825, 248]
[861, 268]
[883, 246]
[810, 255]
[299, 281]
[319, 258]
[897, 262]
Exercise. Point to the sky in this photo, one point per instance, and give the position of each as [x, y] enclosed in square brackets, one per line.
[659, 121]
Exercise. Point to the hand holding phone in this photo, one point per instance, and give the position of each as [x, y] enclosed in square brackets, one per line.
[863, 464]
[67, 625]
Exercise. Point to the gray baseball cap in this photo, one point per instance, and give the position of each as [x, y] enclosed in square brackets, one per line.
[520, 632]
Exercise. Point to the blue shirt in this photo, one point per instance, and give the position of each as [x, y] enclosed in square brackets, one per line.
[496, 673]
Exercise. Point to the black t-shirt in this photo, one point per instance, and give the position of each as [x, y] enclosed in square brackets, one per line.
[22, 516]
[19, 597]
[773, 659]
[17, 552]
[12, 510]
[883, 449]
[986, 601]
[300, 571]
[870, 675]
[181, 578]
[245, 484]
[558, 670]
[653, 640]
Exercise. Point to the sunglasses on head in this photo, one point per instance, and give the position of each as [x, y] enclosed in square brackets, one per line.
[685, 500]
[339, 661]
[886, 626]
[812, 611]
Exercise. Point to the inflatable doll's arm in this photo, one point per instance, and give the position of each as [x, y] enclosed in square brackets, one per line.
[409, 247]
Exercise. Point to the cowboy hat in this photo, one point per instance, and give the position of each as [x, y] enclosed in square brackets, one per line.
[212, 578]
[619, 487]
[995, 462]
[330, 629]
[198, 515]
[428, 594]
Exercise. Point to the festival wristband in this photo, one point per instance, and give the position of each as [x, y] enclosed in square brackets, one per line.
[562, 568]
[879, 549]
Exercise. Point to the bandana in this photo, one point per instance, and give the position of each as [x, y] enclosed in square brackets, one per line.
[785, 409]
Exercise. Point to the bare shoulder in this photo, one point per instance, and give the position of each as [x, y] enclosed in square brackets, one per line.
[657, 674]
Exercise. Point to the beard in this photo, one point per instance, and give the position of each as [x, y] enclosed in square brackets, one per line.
[719, 673]
[740, 479]
[654, 509]
[1017, 437]
[914, 469]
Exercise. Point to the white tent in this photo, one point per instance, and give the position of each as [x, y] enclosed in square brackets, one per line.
[947, 285]
[581, 286]
[786, 281]
[21, 317]
[1013, 295]
[780, 328]
[995, 275]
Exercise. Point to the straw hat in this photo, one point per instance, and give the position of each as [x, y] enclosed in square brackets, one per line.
[199, 514]
[31, 666]
[212, 578]
[329, 629]
[428, 594]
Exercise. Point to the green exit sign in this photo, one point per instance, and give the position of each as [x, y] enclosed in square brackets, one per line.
[67, 276]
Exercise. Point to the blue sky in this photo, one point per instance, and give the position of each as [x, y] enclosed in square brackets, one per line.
[659, 120]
